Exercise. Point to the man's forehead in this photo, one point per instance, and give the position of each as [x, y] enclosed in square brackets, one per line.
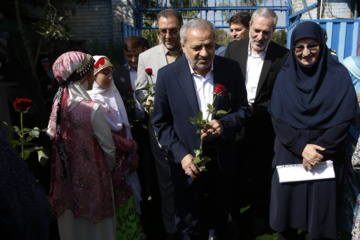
[168, 20]
[134, 50]
[261, 22]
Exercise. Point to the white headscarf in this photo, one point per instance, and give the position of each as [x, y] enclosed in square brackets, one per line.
[112, 105]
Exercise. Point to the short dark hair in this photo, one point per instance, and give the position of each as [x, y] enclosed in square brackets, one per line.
[170, 12]
[133, 42]
[240, 17]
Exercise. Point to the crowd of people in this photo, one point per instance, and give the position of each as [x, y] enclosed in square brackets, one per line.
[126, 138]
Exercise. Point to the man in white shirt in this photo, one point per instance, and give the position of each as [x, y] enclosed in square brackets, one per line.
[260, 61]
[183, 89]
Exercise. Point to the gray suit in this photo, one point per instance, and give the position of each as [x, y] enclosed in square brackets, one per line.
[155, 59]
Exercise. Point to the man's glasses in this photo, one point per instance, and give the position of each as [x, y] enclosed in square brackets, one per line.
[172, 31]
[310, 47]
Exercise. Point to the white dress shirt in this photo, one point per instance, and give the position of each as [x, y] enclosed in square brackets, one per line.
[254, 65]
[204, 88]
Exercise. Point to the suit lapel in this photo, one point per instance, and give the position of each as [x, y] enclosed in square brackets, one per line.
[161, 56]
[265, 69]
[185, 79]
[127, 77]
[243, 58]
[217, 80]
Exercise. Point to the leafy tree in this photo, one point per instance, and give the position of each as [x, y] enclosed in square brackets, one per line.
[49, 28]
[222, 37]
[280, 37]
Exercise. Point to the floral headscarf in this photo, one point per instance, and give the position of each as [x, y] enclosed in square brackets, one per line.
[68, 69]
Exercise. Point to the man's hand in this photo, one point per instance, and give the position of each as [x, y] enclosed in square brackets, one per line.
[212, 130]
[311, 157]
[150, 106]
[189, 167]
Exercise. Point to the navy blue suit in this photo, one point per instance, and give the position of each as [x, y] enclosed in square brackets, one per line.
[175, 102]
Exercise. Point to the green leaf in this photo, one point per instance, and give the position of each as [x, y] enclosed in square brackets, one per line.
[202, 169]
[222, 113]
[35, 132]
[206, 159]
[43, 156]
[15, 129]
[197, 160]
[13, 142]
[27, 152]
[197, 152]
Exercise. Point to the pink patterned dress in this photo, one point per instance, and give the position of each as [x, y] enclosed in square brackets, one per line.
[85, 189]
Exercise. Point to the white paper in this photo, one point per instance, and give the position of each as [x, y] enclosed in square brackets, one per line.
[297, 173]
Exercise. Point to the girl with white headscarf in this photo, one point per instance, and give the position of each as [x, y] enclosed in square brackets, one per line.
[124, 175]
[83, 154]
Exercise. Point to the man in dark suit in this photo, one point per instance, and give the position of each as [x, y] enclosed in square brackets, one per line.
[124, 79]
[260, 61]
[182, 90]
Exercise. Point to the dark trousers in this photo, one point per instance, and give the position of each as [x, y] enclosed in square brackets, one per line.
[165, 182]
[202, 209]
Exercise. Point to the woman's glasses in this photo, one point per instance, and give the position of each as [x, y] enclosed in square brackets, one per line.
[310, 47]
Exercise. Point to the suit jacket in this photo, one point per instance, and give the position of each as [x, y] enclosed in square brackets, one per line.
[176, 101]
[276, 55]
[122, 82]
[153, 58]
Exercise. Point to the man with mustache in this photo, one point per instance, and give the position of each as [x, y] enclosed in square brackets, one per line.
[169, 51]
[260, 61]
[182, 90]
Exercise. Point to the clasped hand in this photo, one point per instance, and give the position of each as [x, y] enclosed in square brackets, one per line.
[311, 157]
[212, 130]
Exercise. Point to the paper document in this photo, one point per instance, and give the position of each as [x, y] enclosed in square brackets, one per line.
[297, 173]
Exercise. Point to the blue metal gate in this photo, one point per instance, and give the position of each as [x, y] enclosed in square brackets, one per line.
[343, 35]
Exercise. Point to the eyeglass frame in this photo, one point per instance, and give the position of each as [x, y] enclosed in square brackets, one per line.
[310, 46]
[171, 31]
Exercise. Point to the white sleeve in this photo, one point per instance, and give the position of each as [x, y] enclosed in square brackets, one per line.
[102, 133]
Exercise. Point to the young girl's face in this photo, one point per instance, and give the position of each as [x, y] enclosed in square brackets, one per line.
[104, 77]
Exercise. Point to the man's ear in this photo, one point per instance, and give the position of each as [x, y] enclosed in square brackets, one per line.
[182, 45]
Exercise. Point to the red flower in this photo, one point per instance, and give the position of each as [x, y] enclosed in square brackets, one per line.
[130, 89]
[22, 104]
[148, 71]
[219, 89]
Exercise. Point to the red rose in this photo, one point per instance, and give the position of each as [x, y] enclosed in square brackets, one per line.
[219, 89]
[148, 71]
[22, 104]
[130, 89]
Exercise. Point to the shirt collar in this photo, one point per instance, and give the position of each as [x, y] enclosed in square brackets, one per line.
[167, 51]
[130, 68]
[192, 70]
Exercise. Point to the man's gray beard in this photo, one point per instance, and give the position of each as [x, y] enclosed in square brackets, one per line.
[193, 64]
[257, 47]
